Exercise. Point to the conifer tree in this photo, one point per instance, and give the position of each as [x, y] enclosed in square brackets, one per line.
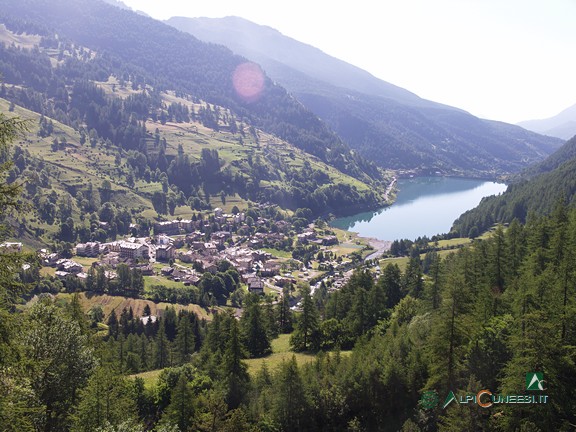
[234, 370]
[184, 339]
[107, 399]
[307, 327]
[290, 401]
[162, 352]
[284, 314]
[181, 408]
[254, 334]
[391, 282]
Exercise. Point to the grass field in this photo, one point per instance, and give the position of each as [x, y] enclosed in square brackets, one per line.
[280, 352]
[117, 303]
[150, 378]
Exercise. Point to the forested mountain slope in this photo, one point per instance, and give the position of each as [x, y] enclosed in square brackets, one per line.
[151, 53]
[537, 191]
[392, 126]
[142, 119]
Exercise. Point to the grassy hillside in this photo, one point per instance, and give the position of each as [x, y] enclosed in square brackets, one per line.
[71, 168]
[150, 53]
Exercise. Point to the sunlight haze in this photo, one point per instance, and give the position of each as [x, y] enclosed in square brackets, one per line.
[508, 61]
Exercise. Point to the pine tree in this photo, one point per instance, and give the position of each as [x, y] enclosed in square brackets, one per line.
[162, 351]
[412, 282]
[181, 408]
[307, 328]
[451, 329]
[105, 400]
[290, 401]
[254, 334]
[284, 314]
[234, 370]
[184, 339]
[391, 282]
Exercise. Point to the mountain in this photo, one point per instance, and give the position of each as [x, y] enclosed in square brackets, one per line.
[538, 190]
[392, 126]
[267, 45]
[562, 125]
[162, 57]
[119, 90]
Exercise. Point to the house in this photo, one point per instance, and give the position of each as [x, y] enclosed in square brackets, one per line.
[211, 248]
[10, 247]
[244, 264]
[209, 266]
[187, 225]
[49, 259]
[198, 245]
[133, 250]
[148, 319]
[165, 253]
[69, 266]
[167, 271]
[162, 239]
[305, 237]
[61, 274]
[167, 227]
[90, 249]
[255, 285]
[191, 279]
[220, 237]
[189, 256]
[270, 268]
[146, 270]
[330, 240]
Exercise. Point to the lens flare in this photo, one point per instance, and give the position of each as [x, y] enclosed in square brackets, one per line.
[248, 81]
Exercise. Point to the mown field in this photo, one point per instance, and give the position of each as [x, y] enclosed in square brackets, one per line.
[280, 353]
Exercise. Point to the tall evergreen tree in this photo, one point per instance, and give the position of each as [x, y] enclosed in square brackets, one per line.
[162, 348]
[254, 334]
[290, 401]
[181, 408]
[107, 399]
[391, 281]
[305, 336]
[284, 314]
[184, 339]
[234, 370]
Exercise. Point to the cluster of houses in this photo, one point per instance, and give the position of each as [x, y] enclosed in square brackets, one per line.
[309, 236]
[129, 249]
[184, 226]
[188, 242]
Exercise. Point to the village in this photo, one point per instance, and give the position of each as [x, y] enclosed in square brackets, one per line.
[267, 254]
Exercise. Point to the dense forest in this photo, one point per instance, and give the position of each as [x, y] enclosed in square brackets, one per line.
[480, 318]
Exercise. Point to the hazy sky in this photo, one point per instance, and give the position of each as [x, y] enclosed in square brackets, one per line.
[508, 60]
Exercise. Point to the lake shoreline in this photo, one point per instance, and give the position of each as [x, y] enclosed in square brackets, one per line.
[380, 246]
[424, 206]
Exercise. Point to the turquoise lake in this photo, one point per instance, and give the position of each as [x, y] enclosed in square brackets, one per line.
[424, 206]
